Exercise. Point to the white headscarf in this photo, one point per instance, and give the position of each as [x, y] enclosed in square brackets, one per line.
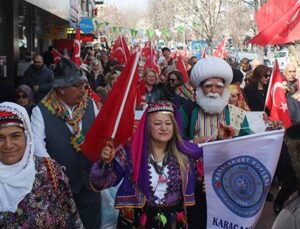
[16, 180]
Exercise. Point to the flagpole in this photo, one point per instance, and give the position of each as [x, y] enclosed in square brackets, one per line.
[270, 82]
[123, 48]
[126, 95]
[111, 139]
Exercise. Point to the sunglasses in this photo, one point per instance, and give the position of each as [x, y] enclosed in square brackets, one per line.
[172, 80]
[21, 96]
[267, 76]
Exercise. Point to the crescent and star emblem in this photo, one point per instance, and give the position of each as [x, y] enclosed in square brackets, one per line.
[282, 106]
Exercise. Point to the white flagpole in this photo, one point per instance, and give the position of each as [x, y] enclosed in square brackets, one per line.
[123, 48]
[126, 95]
[270, 82]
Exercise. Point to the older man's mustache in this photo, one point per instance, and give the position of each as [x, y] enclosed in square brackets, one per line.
[213, 95]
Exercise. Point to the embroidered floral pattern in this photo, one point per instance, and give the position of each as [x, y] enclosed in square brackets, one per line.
[173, 195]
[44, 207]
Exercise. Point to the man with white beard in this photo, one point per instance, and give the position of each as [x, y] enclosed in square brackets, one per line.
[210, 118]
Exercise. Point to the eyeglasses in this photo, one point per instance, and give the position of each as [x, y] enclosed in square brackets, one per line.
[21, 96]
[267, 76]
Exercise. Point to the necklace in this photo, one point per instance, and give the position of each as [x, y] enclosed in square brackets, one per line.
[158, 168]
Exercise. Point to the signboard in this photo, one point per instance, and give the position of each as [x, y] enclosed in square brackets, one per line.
[86, 25]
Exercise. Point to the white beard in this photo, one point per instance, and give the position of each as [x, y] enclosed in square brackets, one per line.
[212, 103]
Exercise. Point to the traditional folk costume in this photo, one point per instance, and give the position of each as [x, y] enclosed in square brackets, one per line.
[241, 103]
[34, 192]
[197, 124]
[59, 130]
[155, 194]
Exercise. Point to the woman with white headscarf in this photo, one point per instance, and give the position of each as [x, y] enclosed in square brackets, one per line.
[34, 192]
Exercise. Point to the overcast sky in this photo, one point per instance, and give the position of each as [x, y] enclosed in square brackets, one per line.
[139, 4]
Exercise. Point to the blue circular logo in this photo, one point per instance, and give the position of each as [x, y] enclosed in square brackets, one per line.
[242, 184]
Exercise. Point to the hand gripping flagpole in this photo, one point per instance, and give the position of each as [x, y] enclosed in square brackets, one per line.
[133, 70]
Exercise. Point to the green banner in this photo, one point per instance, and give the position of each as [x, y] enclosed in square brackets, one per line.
[150, 33]
[165, 32]
[180, 29]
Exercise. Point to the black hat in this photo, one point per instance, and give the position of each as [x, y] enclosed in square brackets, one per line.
[66, 74]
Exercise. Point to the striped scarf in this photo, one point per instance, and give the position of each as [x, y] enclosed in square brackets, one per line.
[53, 104]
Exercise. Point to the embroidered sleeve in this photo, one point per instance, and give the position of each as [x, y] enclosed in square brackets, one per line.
[65, 199]
[103, 175]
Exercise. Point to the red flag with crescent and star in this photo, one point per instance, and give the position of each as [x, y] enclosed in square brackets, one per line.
[220, 51]
[115, 120]
[276, 99]
[149, 54]
[76, 48]
[277, 22]
[181, 68]
[120, 51]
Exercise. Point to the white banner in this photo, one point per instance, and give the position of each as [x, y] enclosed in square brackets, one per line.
[238, 175]
[256, 122]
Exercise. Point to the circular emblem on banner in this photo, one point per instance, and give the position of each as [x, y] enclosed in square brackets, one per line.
[242, 184]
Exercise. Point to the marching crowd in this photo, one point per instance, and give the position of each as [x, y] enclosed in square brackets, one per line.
[46, 181]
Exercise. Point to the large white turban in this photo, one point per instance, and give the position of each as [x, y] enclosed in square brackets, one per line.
[210, 67]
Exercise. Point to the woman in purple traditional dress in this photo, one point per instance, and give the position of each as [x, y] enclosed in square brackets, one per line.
[156, 172]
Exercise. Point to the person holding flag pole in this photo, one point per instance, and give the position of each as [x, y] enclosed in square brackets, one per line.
[156, 170]
[157, 178]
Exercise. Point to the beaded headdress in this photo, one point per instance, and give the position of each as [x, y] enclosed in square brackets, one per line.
[161, 106]
[10, 119]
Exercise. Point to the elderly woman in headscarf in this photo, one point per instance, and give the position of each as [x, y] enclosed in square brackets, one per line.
[25, 98]
[156, 171]
[34, 192]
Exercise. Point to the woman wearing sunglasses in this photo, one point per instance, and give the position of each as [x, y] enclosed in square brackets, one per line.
[256, 90]
[24, 97]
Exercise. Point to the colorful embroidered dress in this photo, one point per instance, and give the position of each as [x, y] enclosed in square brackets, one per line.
[129, 195]
[50, 203]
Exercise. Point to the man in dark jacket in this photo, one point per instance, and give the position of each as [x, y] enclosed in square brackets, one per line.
[39, 78]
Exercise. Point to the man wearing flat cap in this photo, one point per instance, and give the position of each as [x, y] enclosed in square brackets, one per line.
[210, 118]
[60, 122]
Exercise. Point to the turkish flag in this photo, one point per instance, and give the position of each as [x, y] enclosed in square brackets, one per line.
[120, 51]
[146, 50]
[116, 118]
[76, 48]
[277, 22]
[181, 67]
[56, 55]
[220, 51]
[148, 53]
[276, 99]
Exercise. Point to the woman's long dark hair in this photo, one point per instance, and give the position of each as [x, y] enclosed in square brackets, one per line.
[259, 72]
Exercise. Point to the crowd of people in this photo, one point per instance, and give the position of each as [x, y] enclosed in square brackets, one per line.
[47, 182]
